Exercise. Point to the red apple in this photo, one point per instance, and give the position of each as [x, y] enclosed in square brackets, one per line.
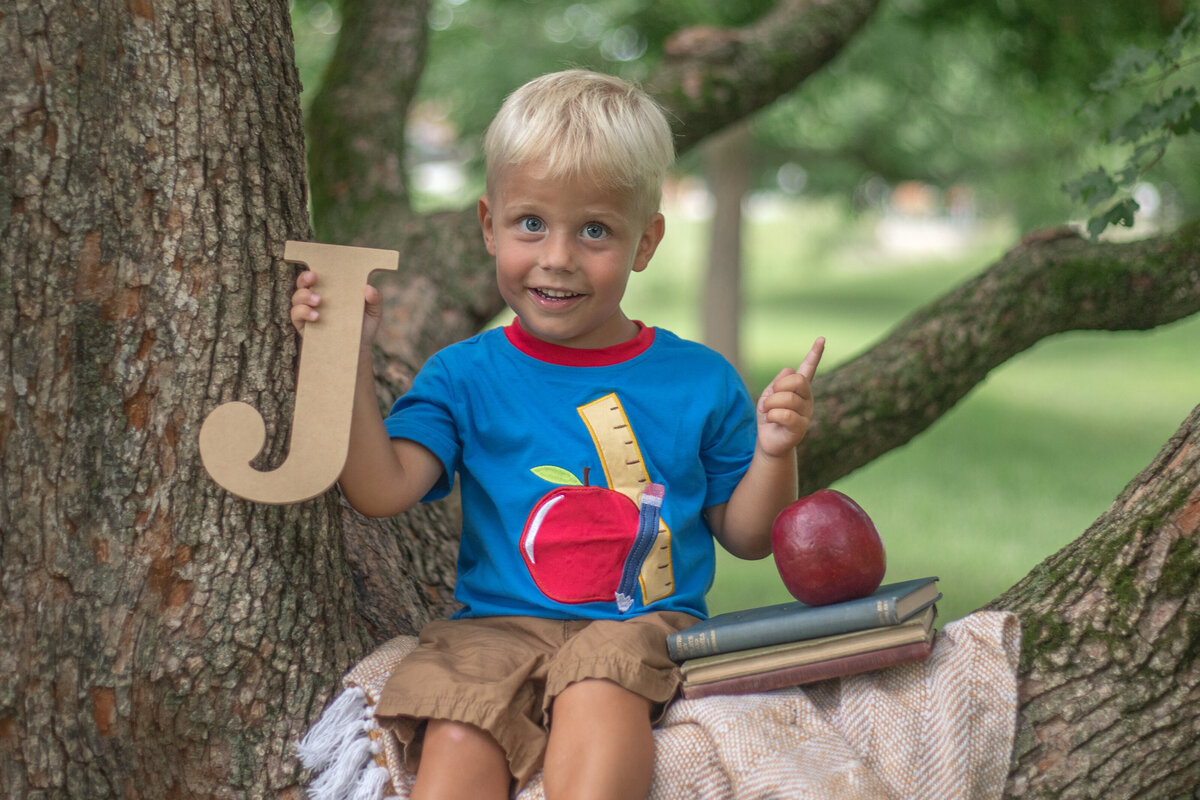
[576, 540]
[827, 549]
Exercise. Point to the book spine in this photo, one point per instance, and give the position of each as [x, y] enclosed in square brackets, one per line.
[810, 673]
[821, 621]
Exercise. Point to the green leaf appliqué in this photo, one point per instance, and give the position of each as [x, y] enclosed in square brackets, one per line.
[557, 475]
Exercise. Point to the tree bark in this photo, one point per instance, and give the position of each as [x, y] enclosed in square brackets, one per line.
[1110, 671]
[444, 289]
[161, 638]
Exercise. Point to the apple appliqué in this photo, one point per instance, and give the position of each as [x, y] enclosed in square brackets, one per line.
[827, 549]
[577, 539]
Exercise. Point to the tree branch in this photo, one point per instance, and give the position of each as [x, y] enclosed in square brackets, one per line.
[1052, 282]
[712, 77]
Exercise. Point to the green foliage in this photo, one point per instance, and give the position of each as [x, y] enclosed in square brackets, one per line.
[1057, 45]
[952, 115]
[1149, 131]
[984, 104]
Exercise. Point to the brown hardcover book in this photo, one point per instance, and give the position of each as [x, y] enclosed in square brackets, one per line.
[807, 651]
[810, 673]
[890, 604]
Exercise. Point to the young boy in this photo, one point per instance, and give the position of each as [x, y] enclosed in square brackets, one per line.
[598, 459]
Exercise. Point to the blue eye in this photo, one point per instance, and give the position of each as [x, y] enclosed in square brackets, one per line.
[594, 230]
[531, 225]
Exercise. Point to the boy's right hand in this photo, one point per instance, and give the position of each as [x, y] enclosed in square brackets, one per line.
[306, 300]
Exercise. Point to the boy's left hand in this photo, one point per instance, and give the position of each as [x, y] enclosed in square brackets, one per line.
[785, 407]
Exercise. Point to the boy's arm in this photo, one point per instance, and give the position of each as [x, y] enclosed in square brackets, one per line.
[382, 476]
[743, 524]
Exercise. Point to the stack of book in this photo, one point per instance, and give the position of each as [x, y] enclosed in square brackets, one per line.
[791, 643]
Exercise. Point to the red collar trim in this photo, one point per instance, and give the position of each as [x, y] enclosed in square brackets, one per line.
[575, 356]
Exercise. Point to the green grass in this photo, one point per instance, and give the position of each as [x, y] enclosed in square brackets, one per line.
[1020, 468]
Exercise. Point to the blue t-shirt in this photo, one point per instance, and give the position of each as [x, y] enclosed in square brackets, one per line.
[555, 448]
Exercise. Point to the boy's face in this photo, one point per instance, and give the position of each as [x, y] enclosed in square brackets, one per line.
[564, 250]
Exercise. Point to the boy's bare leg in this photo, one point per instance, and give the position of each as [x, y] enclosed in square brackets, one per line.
[601, 744]
[460, 761]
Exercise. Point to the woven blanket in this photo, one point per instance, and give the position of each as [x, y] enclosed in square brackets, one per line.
[942, 728]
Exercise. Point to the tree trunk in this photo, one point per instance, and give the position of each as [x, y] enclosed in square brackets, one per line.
[726, 163]
[358, 120]
[161, 638]
[1110, 671]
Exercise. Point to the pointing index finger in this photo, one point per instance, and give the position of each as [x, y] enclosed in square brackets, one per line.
[808, 367]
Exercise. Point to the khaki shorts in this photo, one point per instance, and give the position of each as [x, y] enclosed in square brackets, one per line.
[502, 674]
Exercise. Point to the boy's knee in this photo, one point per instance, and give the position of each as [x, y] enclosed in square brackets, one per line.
[460, 736]
[459, 760]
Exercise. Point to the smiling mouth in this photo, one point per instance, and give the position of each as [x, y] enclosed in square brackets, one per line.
[555, 294]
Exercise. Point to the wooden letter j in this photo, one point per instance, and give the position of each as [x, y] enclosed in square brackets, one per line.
[234, 434]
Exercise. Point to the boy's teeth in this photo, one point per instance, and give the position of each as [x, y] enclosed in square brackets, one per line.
[554, 293]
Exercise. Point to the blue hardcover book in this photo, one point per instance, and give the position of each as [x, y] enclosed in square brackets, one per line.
[890, 604]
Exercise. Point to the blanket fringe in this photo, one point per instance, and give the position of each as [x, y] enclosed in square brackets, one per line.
[339, 747]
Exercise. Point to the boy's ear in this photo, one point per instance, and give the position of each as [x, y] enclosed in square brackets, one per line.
[649, 242]
[485, 223]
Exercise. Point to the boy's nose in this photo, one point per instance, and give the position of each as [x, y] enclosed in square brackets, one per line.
[556, 254]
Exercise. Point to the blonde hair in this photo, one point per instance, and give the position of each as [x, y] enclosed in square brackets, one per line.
[584, 124]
